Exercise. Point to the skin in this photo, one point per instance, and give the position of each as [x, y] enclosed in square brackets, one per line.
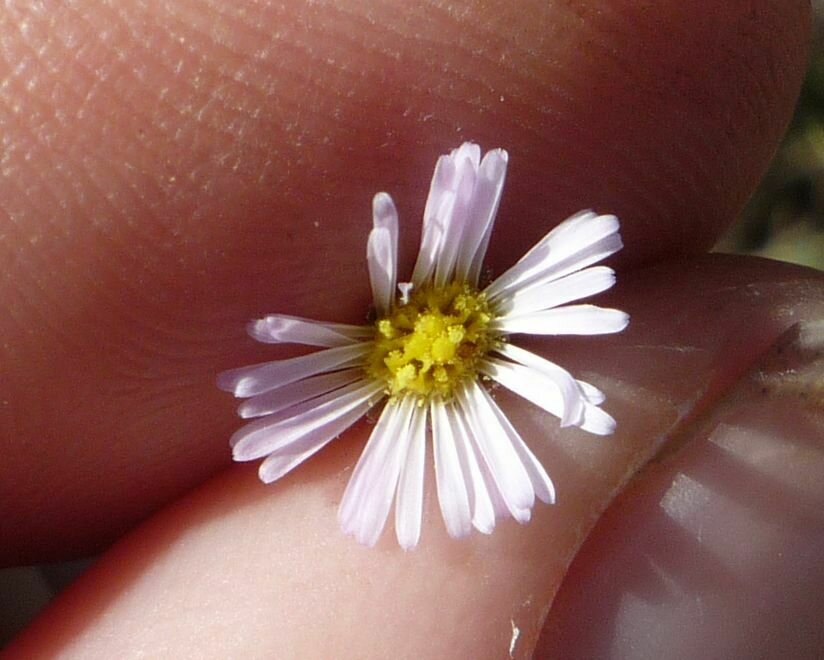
[173, 169]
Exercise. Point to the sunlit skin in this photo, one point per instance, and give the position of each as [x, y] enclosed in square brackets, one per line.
[172, 170]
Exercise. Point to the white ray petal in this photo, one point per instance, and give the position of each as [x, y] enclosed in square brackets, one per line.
[367, 499]
[452, 492]
[379, 261]
[259, 378]
[307, 389]
[285, 329]
[597, 421]
[592, 393]
[591, 254]
[497, 452]
[289, 456]
[541, 483]
[480, 503]
[409, 498]
[428, 254]
[568, 320]
[469, 151]
[318, 404]
[544, 393]
[382, 252]
[544, 294]
[527, 383]
[487, 197]
[499, 505]
[267, 434]
[378, 501]
[456, 218]
[384, 214]
[446, 213]
[371, 457]
[576, 243]
[432, 231]
[442, 182]
[571, 392]
[440, 227]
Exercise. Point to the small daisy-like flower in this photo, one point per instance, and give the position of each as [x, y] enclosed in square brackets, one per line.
[429, 355]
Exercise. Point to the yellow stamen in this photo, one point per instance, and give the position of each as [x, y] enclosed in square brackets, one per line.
[431, 344]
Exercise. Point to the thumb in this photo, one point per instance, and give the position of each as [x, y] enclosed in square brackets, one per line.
[239, 569]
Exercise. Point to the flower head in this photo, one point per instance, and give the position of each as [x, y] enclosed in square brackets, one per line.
[436, 341]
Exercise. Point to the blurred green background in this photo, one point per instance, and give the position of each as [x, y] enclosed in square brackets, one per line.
[785, 218]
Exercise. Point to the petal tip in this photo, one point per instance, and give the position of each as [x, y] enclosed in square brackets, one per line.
[245, 411]
[264, 475]
[228, 381]
[522, 516]
[624, 319]
[407, 545]
[382, 206]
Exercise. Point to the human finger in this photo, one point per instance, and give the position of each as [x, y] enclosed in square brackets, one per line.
[239, 568]
[713, 550]
[172, 170]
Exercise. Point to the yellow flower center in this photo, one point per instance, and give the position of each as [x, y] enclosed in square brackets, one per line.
[432, 343]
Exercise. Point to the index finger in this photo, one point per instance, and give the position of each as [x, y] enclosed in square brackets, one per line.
[174, 169]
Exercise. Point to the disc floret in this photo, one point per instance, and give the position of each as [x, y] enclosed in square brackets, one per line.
[433, 342]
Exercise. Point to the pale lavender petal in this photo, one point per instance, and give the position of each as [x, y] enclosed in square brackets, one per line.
[545, 250]
[597, 421]
[442, 182]
[294, 393]
[289, 456]
[544, 294]
[469, 151]
[266, 435]
[409, 498]
[576, 243]
[379, 261]
[571, 393]
[593, 253]
[446, 213]
[259, 378]
[440, 226]
[535, 387]
[427, 256]
[371, 458]
[456, 219]
[568, 320]
[284, 329]
[296, 410]
[499, 505]
[368, 497]
[592, 393]
[433, 230]
[384, 214]
[480, 503]
[497, 452]
[541, 483]
[487, 197]
[452, 494]
[377, 501]
[382, 252]
[528, 383]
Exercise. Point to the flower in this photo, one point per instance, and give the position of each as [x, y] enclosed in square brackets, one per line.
[429, 355]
